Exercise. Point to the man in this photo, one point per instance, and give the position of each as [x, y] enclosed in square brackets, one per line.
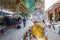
[24, 21]
[19, 23]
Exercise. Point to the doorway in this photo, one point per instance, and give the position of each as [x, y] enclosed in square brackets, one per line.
[59, 16]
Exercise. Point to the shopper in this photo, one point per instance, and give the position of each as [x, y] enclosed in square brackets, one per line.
[19, 23]
[51, 16]
[24, 21]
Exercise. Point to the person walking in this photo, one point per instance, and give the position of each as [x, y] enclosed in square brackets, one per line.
[24, 21]
[19, 23]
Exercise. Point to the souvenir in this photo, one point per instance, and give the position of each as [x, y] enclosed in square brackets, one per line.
[38, 31]
[38, 15]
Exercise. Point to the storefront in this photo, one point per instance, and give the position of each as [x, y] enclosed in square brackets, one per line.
[54, 11]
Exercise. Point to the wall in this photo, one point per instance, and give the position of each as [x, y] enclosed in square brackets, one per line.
[58, 0]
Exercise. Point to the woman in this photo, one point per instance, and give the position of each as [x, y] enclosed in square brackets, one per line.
[19, 23]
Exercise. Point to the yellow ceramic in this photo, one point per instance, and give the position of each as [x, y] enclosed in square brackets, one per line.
[38, 31]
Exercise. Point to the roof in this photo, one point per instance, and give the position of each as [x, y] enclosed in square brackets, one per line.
[11, 5]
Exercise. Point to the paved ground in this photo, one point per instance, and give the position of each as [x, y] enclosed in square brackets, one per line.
[51, 36]
[13, 34]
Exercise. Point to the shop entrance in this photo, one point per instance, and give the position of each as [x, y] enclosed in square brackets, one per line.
[59, 16]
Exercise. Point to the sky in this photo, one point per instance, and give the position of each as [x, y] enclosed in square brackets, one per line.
[49, 3]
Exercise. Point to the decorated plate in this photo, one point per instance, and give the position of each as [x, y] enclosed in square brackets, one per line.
[38, 15]
[38, 31]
